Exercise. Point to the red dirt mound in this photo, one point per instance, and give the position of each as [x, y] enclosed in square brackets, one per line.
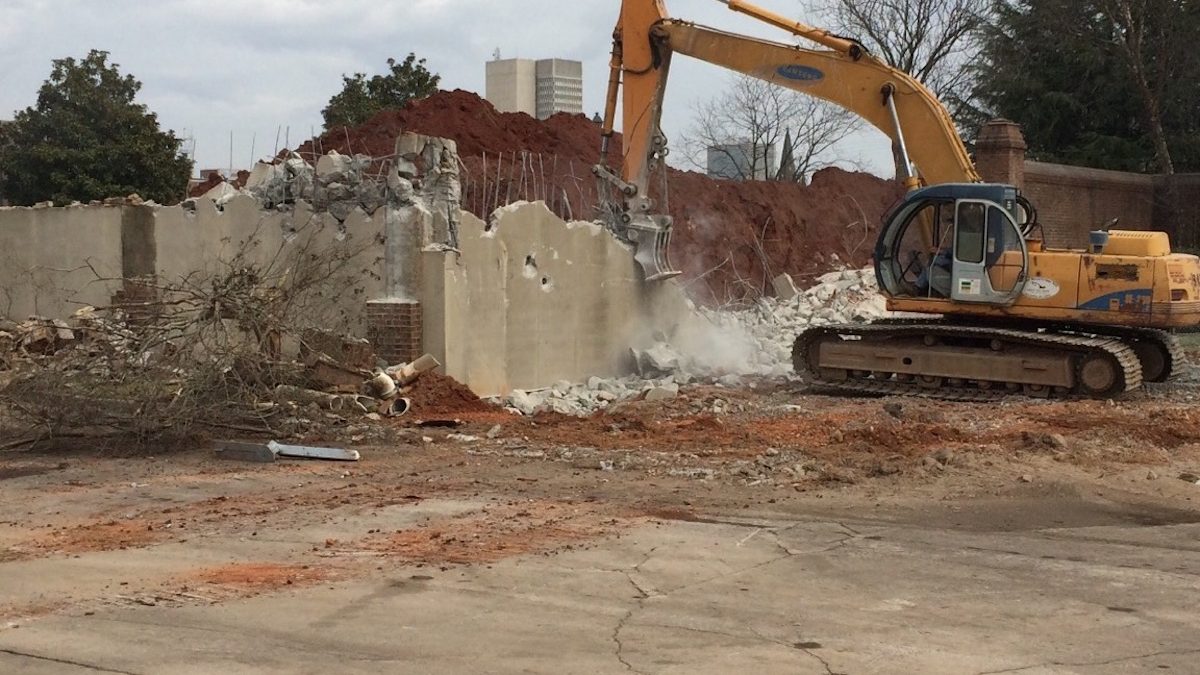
[474, 124]
[730, 237]
[214, 179]
[437, 394]
[211, 181]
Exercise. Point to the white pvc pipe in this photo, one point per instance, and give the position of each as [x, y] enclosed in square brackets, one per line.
[397, 407]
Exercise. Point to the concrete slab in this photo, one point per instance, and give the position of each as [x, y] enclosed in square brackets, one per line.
[723, 595]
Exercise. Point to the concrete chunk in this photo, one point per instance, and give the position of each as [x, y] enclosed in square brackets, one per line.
[245, 452]
[334, 167]
[663, 393]
[785, 287]
[523, 402]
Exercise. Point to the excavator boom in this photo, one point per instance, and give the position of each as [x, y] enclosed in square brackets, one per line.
[1017, 316]
[645, 40]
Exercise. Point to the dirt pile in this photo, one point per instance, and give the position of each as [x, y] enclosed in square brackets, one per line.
[436, 394]
[473, 123]
[214, 179]
[730, 237]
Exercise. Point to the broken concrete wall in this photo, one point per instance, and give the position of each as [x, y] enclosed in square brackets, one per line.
[348, 256]
[47, 258]
[524, 301]
[532, 300]
[56, 260]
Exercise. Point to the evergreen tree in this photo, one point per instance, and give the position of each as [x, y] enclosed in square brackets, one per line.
[1103, 83]
[87, 139]
[360, 98]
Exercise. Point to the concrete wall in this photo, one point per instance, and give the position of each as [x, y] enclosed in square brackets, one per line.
[532, 300]
[348, 258]
[45, 254]
[524, 301]
[528, 300]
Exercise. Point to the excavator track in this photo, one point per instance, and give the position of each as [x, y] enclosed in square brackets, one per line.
[1160, 353]
[964, 363]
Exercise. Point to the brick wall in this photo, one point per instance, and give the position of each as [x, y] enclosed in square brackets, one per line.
[1072, 200]
[1178, 204]
[394, 328]
[138, 298]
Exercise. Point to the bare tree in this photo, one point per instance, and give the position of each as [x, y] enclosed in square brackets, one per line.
[1150, 36]
[749, 122]
[932, 40]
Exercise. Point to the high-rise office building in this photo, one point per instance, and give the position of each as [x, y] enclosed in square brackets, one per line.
[538, 88]
[741, 161]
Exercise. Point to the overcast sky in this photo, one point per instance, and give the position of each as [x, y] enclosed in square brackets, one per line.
[211, 67]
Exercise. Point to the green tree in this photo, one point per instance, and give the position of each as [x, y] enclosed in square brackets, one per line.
[1104, 83]
[360, 97]
[87, 139]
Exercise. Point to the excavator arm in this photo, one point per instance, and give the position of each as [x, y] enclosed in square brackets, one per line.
[843, 73]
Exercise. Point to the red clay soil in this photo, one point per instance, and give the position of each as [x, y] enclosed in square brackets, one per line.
[518, 528]
[214, 179]
[730, 237]
[437, 394]
[101, 536]
[260, 575]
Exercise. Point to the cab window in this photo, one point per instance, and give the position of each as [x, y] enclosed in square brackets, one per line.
[971, 221]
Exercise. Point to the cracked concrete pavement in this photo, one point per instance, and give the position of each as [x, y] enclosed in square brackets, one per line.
[767, 592]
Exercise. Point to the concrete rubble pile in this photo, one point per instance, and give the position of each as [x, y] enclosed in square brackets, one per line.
[88, 342]
[596, 394]
[845, 296]
[422, 175]
[721, 346]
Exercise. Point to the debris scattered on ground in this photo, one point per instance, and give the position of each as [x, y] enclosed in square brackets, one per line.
[758, 341]
[596, 394]
[108, 373]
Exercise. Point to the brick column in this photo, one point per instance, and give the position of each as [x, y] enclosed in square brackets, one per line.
[394, 329]
[138, 299]
[138, 295]
[1000, 153]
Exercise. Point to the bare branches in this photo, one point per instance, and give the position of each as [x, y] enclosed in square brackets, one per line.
[932, 40]
[202, 351]
[740, 131]
[1133, 29]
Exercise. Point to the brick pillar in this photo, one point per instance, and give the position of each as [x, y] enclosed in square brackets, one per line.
[394, 329]
[1000, 153]
[138, 299]
[138, 295]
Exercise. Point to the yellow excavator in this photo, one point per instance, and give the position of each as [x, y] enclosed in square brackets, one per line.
[1009, 315]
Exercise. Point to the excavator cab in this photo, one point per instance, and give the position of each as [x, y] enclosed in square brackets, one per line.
[959, 242]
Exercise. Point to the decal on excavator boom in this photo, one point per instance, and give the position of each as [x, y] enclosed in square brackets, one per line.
[800, 73]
